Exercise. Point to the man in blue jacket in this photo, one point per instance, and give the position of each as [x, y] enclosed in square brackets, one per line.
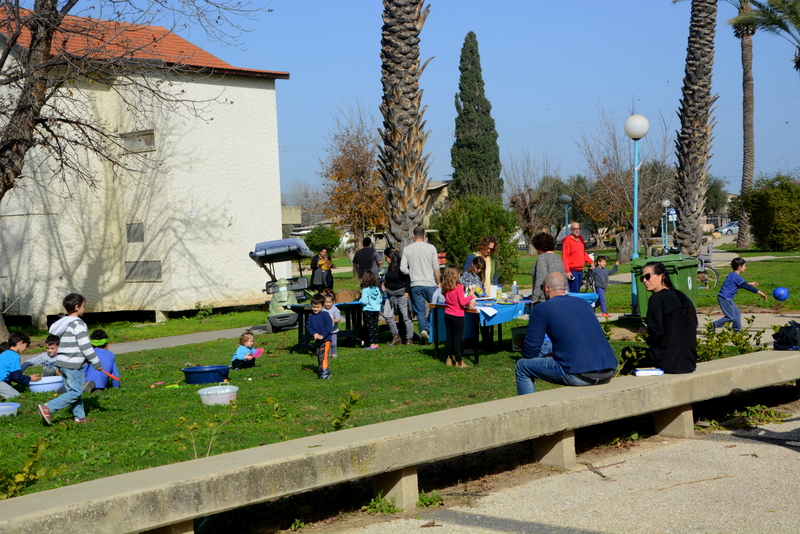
[581, 353]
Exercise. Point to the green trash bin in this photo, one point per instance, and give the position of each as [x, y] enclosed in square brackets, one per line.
[682, 271]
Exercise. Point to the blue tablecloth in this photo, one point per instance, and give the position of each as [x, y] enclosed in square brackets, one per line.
[504, 313]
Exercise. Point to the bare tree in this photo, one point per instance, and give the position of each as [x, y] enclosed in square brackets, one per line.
[311, 197]
[353, 186]
[532, 187]
[610, 168]
[51, 60]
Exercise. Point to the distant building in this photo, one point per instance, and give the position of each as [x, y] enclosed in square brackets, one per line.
[175, 235]
[437, 194]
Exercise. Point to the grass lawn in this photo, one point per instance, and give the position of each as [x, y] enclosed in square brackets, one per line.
[138, 426]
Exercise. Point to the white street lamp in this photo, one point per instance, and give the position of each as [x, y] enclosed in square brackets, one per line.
[636, 127]
[665, 227]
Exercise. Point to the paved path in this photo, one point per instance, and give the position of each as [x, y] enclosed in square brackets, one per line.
[187, 339]
[730, 482]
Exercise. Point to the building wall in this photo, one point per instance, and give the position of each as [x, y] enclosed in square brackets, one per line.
[205, 196]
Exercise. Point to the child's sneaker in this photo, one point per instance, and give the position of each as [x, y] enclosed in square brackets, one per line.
[606, 315]
[334, 356]
[44, 411]
[325, 374]
[88, 387]
[81, 420]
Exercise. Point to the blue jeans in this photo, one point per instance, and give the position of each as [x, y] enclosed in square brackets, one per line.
[544, 368]
[420, 296]
[601, 297]
[575, 283]
[73, 381]
[731, 312]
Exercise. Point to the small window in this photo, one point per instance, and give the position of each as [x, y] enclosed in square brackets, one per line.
[139, 141]
[135, 233]
[142, 271]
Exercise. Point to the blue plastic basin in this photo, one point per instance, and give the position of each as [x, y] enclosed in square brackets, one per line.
[206, 374]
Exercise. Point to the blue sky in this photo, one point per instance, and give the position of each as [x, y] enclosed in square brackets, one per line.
[547, 69]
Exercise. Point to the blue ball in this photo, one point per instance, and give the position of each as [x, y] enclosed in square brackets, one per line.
[780, 293]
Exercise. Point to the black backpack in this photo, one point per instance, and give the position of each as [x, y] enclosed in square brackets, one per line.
[787, 337]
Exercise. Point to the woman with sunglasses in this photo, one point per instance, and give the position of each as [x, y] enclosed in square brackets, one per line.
[671, 324]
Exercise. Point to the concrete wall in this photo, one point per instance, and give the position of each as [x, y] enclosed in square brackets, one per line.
[206, 194]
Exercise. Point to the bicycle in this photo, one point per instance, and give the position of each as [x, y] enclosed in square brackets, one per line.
[587, 284]
[708, 278]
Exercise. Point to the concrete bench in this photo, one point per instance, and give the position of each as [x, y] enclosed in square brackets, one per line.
[166, 499]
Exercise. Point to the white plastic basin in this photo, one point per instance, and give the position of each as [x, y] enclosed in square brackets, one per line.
[218, 394]
[47, 383]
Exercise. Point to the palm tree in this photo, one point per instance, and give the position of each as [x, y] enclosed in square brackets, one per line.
[402, 165]
[693, 143]
[780, 17]
[745, 32]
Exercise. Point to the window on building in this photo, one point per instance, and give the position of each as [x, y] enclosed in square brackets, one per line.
[139, 141]
[142, 271]
[135, 233]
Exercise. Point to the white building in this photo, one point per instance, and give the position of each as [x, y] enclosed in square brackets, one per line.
[172, 236]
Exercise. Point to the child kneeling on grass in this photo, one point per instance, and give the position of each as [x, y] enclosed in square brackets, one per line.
[98, 379]
[46, 359]
[10, 370]
[73, 353]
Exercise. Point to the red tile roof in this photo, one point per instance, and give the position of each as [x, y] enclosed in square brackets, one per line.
[101, 39]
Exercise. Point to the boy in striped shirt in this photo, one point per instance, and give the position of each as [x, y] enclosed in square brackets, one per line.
[74, 351]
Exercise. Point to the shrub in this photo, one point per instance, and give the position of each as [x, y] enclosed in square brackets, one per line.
[323, 237]
[772, 207]
[462, 223]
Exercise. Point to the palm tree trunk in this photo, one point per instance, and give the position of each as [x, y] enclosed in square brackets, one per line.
[402, 164]
[748, 134]
[693, 144]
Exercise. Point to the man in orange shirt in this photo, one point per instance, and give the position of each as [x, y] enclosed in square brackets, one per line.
[573, 254]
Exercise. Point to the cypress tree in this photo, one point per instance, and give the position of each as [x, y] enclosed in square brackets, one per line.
[475, 154]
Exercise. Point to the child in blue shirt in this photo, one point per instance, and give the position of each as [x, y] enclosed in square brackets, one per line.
[98, 379]
[319, 325]
[9, 365]
[371, 300]
[734, 282]
[244, 357]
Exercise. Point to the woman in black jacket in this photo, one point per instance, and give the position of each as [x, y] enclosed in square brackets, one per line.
[671, 324]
